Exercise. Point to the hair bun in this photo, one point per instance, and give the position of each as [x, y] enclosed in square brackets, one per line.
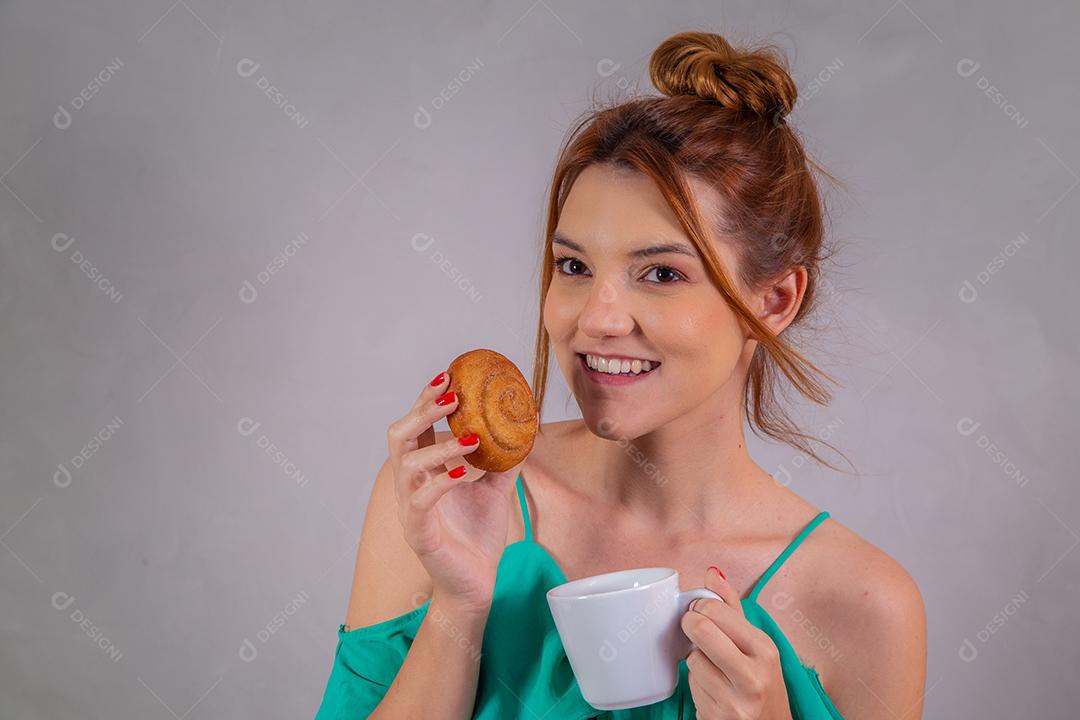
[706, 65]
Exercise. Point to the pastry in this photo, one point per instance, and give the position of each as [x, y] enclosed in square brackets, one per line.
[496, 403]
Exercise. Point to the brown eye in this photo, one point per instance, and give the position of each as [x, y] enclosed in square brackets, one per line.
[663, 271]
[569, 265]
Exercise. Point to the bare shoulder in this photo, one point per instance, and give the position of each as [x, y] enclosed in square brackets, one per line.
[388, 579]
[870, 610]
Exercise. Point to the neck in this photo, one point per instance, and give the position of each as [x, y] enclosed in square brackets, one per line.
[691, 474]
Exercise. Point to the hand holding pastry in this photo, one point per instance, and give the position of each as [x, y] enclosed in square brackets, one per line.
[457, 528]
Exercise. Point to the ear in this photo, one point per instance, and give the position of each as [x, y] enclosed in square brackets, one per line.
[779, 301]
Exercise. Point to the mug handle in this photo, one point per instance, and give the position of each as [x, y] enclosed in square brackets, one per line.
[685, 598]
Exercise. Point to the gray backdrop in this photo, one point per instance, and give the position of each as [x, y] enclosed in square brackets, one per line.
[238, 237]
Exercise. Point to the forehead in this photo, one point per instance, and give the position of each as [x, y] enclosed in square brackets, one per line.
[610, 205]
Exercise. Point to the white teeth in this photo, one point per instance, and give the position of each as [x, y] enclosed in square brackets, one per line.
[618, 367]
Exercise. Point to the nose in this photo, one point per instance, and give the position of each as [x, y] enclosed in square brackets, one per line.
[606, 313]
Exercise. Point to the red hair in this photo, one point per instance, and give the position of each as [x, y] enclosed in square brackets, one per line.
[720, 119]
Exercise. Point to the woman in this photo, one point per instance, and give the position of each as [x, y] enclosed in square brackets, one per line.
[685, 234]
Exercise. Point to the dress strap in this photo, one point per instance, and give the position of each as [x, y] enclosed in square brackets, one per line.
[767, 575]
[524, 509]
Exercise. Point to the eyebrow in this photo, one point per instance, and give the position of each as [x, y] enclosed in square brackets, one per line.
[560, 239]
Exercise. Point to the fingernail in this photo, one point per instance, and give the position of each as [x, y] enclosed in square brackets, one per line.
[457, 472]
[445, 398]
[713, 568]
[470, 439]
[438, 380]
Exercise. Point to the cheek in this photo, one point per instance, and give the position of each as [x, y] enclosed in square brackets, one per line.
[560, 313]
[702, 338]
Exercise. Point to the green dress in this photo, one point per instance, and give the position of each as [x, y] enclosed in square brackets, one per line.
[524, 671]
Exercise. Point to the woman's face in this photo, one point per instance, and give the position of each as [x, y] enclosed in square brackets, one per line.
[612, 299]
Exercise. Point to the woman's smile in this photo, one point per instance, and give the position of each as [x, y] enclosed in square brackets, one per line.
[626, 375]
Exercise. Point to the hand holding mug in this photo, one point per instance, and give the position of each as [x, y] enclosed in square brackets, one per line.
[734, 672]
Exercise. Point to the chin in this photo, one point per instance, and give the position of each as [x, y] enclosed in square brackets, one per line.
[608, 426]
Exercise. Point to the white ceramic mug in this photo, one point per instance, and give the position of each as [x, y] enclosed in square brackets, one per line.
[622, 634]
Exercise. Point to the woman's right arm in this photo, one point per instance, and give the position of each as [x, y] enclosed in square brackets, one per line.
[439, 675]
[427, 535]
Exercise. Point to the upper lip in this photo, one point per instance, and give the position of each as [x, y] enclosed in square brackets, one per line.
[619, 356]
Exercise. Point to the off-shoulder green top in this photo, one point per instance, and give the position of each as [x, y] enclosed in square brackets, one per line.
[524, 671]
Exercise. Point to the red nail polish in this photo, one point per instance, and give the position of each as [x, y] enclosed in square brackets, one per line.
[718, 571]
[445, 398]
[457, 472]
[438, 380]
[470, 439]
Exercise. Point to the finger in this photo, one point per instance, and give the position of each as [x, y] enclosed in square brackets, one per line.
[716, 645]
[418, 519]
[715, 581]
[418, 465]
[705, 705]
[732, 623]
[425, 497]
[404, 433]
[712, 679]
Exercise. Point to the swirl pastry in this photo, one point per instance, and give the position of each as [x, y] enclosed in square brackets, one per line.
[496, 403]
